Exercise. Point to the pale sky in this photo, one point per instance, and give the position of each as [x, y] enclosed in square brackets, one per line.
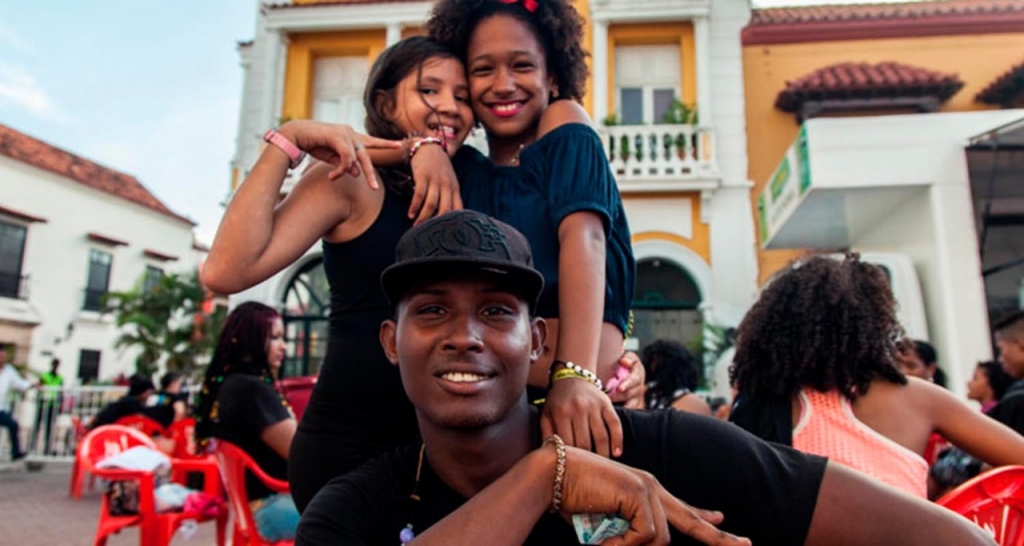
[149, 87]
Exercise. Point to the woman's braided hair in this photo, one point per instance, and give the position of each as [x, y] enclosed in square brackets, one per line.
[242, 348]
[556, 24]
[822, 323]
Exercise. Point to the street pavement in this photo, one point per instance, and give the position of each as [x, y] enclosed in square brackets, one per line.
[35, 509]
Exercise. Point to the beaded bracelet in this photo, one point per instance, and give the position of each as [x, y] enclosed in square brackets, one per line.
[566, 373]
[556, 493]
[587, 374]
[426, 140]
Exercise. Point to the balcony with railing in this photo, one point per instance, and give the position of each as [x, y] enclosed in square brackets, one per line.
[661, 157]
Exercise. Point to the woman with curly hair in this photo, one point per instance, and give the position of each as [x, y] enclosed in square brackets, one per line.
[239, 402]
[672, 377]
[548, 176]
[816, 368]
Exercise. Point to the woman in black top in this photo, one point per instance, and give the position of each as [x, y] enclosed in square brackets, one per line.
[239, 402]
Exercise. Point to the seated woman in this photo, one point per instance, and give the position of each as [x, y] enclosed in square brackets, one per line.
[988, 385]
[240, 403]
[169, 404]
[139, 389]
[816, 368]
[672, 378]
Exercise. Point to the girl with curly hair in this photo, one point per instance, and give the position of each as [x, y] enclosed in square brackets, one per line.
[816, 368]
[239, 402]
[548, 176]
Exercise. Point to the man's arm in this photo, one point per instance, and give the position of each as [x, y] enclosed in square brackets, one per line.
[854, 509]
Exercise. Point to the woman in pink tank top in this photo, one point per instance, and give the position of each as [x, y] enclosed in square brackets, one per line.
[816, 368]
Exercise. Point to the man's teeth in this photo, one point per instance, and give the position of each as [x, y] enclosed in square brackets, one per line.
[459, 377]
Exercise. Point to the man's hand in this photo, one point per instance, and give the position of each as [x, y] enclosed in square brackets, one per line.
[578, 411]
[437, 188]
[595, 485]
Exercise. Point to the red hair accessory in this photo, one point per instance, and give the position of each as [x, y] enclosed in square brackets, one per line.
[530, 5]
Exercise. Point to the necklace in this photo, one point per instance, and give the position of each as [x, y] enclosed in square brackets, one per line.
[406, 534]
[515, 158]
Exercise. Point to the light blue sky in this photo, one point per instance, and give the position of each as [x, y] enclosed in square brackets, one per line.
[149, 87]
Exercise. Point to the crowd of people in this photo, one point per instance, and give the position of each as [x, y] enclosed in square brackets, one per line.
[479, 307]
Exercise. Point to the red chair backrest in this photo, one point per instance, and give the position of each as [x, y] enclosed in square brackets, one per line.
[183, 432]
[994, 501]
[297, 391]
[148, 426]
[233, 463]
[109, 440]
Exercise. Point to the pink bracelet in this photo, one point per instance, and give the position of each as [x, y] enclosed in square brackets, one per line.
[295, 155]
[426, 140]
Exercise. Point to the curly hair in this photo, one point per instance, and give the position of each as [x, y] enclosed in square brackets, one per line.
[556, 24]
[671, 369]
[822, 323]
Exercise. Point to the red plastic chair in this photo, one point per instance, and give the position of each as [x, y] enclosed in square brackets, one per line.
[183, 432]
[994, 501]
[233, 463]
[140, 422]
[77, 475]
[297, 391]
[155, 529]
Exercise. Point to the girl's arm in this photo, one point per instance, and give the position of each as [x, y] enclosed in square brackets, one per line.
[258, 236]
[576, 409]
[967, 428]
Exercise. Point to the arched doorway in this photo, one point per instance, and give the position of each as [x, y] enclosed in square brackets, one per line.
[306, 306]
[666, 304]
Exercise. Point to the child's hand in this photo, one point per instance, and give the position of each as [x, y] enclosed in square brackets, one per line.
[436, 187]
[339, 145]
[583, 416]
[631, 390]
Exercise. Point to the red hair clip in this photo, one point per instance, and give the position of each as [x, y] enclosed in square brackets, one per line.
[530, 5]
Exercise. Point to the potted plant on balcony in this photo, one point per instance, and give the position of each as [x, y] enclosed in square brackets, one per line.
[680, 113]
[619, 147]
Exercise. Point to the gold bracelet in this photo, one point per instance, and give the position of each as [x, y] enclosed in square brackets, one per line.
[567, 373]
[556, 493]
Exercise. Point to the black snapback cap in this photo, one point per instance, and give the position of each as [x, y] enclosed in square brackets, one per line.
[461, 244]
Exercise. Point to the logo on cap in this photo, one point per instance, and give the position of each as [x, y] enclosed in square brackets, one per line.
[464, 236]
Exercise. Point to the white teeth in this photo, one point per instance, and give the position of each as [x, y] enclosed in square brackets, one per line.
[459, 377]
[506, 107]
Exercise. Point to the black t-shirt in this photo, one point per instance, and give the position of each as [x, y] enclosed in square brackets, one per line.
[122, 407]
[160, 407]
[1010, 409]
[766, 492]
[246, 406]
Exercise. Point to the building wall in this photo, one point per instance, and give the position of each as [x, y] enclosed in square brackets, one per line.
[977, 59]
[56, 260]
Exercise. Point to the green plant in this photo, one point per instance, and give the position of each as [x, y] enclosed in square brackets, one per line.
[680, 113]
[610, 120]
[166, 323]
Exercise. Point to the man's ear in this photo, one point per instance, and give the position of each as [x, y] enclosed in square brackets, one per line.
[389, 340]
[538, 335]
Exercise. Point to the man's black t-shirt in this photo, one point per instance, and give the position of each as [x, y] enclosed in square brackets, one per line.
[246, 406]
[122, 407]
[766, 492]
[1010, 409]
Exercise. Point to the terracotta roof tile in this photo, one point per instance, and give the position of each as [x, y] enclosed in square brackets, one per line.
[1006, 90]
[21, 147]
[866, 80]
[876, 11]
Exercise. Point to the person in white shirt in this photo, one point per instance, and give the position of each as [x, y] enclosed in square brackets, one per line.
[10, 379]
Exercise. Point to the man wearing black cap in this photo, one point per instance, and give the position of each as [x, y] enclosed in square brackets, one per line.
[139, 389]
[463, 336]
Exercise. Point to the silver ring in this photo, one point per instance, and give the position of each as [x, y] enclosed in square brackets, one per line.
[360, 146]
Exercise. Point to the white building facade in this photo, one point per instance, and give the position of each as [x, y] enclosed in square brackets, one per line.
[666, 90]
[70, 231]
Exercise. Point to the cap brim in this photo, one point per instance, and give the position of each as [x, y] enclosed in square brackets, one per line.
[399, 278]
